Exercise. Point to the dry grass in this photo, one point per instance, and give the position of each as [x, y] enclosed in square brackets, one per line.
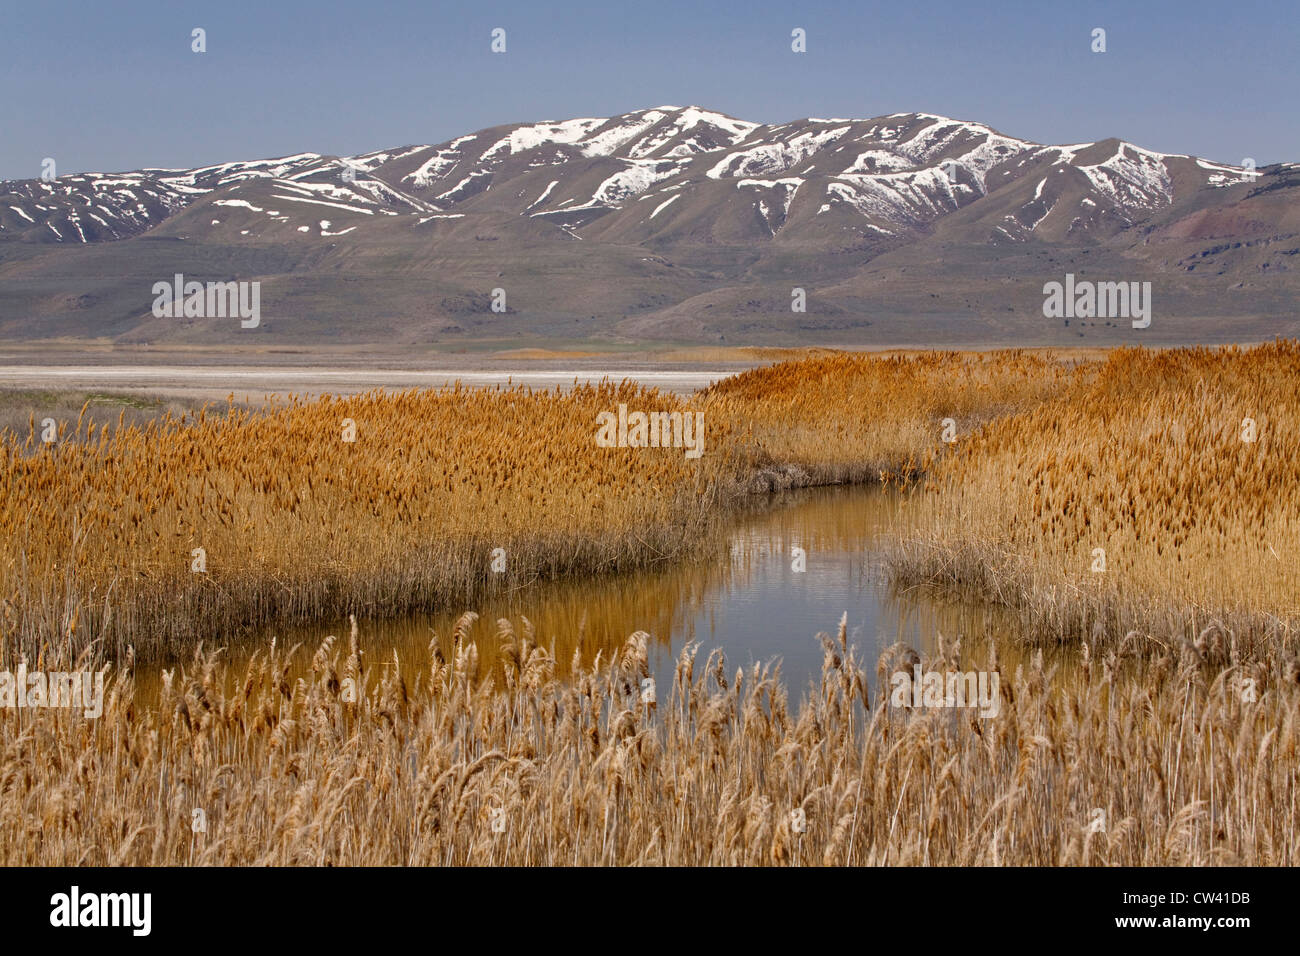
[1052, 460]
[297, 524]
[852, 417]
[1143, 457]
[290, 772]
[1139, 454]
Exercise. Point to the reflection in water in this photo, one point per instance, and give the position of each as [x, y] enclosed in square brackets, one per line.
[748, 600]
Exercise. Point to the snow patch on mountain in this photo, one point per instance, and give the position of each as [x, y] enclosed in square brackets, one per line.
[438, 165]
[331, 205]
[639, 176]
[542, 198]
[1133, 179]
[540, 134]
[241, 203]
[665, 204]
[465, 187]
[774, 157]
[879, 160]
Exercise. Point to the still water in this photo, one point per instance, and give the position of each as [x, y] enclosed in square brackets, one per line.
[748, 600]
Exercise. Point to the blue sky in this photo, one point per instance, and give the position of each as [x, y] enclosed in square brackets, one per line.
[112, 86]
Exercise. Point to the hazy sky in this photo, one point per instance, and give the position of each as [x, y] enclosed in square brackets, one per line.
[108, 86]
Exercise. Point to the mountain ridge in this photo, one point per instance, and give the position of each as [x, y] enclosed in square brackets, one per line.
[738, 208]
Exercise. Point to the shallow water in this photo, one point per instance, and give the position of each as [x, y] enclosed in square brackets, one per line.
[748, 600]
[251, 383]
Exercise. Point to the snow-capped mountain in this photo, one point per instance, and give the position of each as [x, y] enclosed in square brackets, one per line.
[883, 176]
[695, 188]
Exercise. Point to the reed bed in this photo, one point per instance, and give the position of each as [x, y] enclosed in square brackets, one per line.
[297, 524]
[1129, 759]
[845, 418]
[1181, 466]
[1175, 726]
[1139, 454]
